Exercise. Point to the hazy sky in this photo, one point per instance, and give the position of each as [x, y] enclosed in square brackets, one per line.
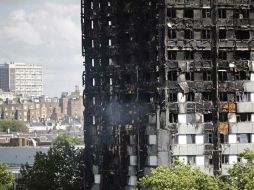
[45, 32]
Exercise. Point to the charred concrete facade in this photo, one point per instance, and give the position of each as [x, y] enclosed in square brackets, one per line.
[165, 79]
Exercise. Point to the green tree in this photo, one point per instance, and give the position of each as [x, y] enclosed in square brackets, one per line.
[13, 125]
[182, 177]
[69, 138]
[61, 168]
[242, 173]
[6, 178]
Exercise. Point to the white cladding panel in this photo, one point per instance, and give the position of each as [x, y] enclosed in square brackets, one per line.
[232, 159]
[199, 139]
[97, 178]
[252, 96]
[182, 139]
[181, 97]
[182, 118]
[232, 118]
[200, 160]
[152, 139]
[133, 160]
[132, 180]
[232, 138]
[153, 161]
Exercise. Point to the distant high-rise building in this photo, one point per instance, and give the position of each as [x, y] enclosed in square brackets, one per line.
[21, 78]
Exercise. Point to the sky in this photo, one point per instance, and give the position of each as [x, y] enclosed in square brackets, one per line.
[47, 33]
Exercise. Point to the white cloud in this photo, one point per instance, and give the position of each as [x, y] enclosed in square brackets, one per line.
[22, 32]
[18, 15]
[48, 34]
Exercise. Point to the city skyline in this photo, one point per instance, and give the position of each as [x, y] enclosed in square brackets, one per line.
[45, 33]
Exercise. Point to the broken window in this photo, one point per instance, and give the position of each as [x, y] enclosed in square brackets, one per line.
[171, 13]
[242, 117]
[147, 76]
[225, 159]
[145, 97]
[210, 161]
[207, 96]
[210, 137]
[208, 117]
[242, 34]
[242, 14]
[222, 13]
[172, 55]
[127, 59]
[206, 34]
[126, 37]
[146, 36]
[231, 97]
[172, 75]
[191, 139]
[198, 76]
[191, 160]
[223, 117]
[223, 138]
[190, 96]
[222, 34]
[206, 55]
[244, 55]
[175, 139]
[99, 62]
[243, 97]
[206, 13]
[188, 55]
[188, 34]
[146, 56]
[223, 96]
[223, 55]
[173, 118]
[188, 13]
[243, 138]
[172, 97]
[189, 76]
[207, 76]
[222, 76]
[127, 77]
[171, 34]
[241, 75]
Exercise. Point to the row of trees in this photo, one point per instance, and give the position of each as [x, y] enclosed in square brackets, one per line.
[12, 125]
[63, 168]
[6, 178]
[183, 177]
